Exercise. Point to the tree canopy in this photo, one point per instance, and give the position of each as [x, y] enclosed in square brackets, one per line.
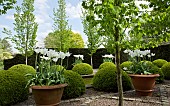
[6, 5]
[53, 40]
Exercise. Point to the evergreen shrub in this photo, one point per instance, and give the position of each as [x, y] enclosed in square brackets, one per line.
[106, 78]
[159, 62]
[76, 85]
[125, 66]
[12, 88]
[166, 70]
[83, 69]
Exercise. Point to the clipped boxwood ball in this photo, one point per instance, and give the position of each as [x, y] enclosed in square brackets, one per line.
[125, 66]
[166, 70]
[159, 62]
[23, 69]
[12, 88]
[76, 85]
[156, 70]
[107, 64]
[83, 69]
[57, 67]
[106, 79]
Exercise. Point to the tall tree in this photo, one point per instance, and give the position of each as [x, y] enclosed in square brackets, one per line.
[94, 40]
[25, 28]
[114, 18]
[53, 40]
[6, 5]
[5, 45]
[61, 26]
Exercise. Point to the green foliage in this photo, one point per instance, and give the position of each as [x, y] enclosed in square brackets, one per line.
[57, 67]
[61, 27]
[166, 70]
[155, 70]
[23, 69]
[76, 86]
[25, 28]
[6, 5]
[108, 65]
[125, 66]
[159, 62]
[106, 79]
[83, 69]
[12, 87]
[74, 40]
[5, 45]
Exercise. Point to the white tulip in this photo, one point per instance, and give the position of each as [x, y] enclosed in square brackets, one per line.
[62, 55]
[67, 54]
[55, 59]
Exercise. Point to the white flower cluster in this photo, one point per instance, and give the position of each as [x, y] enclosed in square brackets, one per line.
[139, 53]
[108, 56]
[79, 56]
[51, 54]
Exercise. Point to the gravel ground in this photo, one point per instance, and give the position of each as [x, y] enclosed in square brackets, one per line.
[105, 101]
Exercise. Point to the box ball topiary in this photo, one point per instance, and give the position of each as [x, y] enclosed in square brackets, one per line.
[76, 85]
[156, 70]
[83, 69]
[12, 88]
[107, 64]
[106, 79]
[166, 70]
[23, 69]
[159, 62]
[125, 66]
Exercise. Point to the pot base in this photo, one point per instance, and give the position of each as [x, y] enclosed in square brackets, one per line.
[144, 92]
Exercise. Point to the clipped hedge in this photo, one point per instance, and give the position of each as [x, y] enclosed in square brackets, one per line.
[108, 65]
[83, 69]
[166, 70]
[106, 79]
[76, 85]
[159, 62]
[12, 88]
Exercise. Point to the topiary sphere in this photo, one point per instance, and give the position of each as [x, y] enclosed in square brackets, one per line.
[159, 62]
[106, 79]
[76, 85]
[83, 69]
[12, 88]
[57, 67]
[125, 66]
[166, 70]
[23, 69]
[107, 64]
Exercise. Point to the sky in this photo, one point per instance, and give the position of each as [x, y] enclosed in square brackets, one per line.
[44, 13]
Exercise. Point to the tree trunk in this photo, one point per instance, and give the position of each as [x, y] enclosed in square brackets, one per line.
[119, 73]
[91, 56]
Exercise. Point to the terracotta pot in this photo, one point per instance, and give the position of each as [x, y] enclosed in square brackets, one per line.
[143, 84]
[48, 95]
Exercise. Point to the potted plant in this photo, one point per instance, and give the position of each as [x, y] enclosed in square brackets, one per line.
[141, 71]
[48, 83]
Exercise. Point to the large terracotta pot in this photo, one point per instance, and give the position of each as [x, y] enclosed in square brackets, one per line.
[48, 95]
[143, 84]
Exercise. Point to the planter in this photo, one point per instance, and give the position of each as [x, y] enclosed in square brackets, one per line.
[48, 95]
[143, 84]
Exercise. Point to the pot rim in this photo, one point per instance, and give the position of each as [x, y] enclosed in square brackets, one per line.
[138, 75]
[49, 87]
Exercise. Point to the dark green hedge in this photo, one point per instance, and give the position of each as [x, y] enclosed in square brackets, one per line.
[161, 52]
